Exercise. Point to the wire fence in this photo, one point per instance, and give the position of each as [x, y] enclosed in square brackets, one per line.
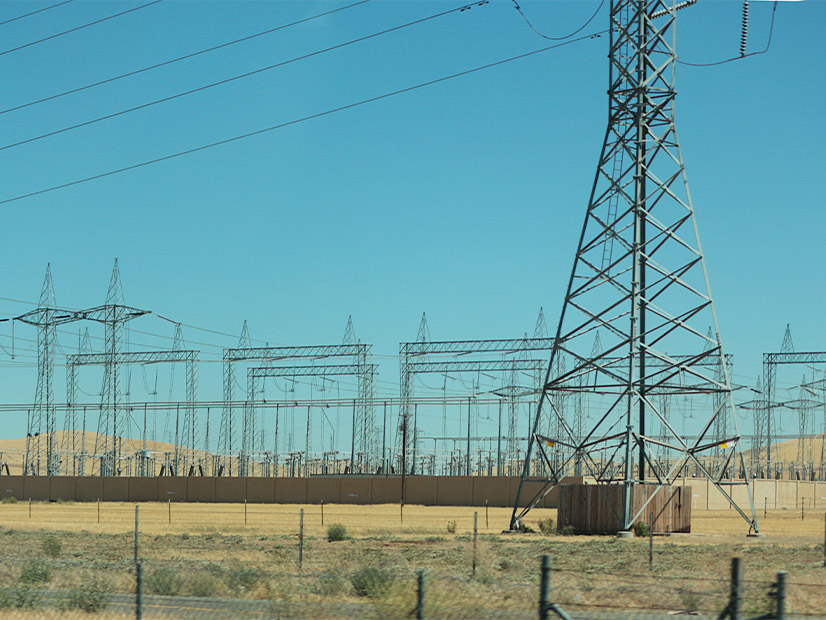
[38, 587]
[231, 571]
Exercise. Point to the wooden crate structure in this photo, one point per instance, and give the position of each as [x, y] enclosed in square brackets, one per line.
[598, 509]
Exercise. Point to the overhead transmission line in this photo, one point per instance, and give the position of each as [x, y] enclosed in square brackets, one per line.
[297, 121]
[234, 78]
[81, 27]
[567, 36]
[48, 8]
[743, 40]
[180, 58]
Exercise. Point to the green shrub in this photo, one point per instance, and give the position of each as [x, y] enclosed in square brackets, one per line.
[547, 526]
[89, 595]
[372, 581]
[20, 597]
[202, 584]
[451, 527]
[641, 529]
[525, 528]
[330, 582]
[165, 581]
[52, 546]
[691, 600]
[337, 532]
[567, 530]
[9, 500]
[242, 578]
[36, 571]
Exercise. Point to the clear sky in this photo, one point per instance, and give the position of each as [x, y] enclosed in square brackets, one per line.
[462, 199]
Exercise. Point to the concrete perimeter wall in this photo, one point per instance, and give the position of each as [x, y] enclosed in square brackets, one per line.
[771, 494]
[426, 490]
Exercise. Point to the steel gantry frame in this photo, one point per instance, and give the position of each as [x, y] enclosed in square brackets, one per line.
[359, 461]
[787, 356]
[409, 352]
[187, 438]
[638, 280]
[364, 422]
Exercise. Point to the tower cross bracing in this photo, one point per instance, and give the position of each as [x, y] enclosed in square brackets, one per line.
[639, 281]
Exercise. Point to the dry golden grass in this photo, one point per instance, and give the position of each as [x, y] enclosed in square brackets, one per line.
[414, 521]
[213, 540]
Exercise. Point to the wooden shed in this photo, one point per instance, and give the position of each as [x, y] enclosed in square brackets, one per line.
[598, 508]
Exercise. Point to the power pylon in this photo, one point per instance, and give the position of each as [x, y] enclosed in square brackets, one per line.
[639, 280]
[113, 314]
[226, 436]
[40, 445]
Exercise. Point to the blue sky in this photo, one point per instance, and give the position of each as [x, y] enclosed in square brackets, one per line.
[463, 199]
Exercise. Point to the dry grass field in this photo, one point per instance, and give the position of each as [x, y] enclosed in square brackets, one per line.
[209, 550]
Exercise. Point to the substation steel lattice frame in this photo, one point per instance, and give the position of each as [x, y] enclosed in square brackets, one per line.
[639, 281]
[359, 461]
[409, 352]
[770, 363]
[110, 459]
[364, 422]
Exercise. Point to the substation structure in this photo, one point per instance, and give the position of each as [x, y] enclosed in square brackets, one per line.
[477, 423]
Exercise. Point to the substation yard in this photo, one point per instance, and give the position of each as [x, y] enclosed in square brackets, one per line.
[207, 550]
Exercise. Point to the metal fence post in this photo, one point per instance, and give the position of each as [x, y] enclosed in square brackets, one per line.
[420, 595]
[301, 539]
[136, 532]
[138, 589]
[781, 595]
[475, 530]
[736, 600]
[545, 588]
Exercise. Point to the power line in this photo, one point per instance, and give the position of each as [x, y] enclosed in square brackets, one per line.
[180, 58]
[48, 8]
[297, 121]
[234, 78]
[76, 28]
[742, 56]
[568, 36]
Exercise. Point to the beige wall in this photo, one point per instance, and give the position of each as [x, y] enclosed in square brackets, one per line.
[427, 490]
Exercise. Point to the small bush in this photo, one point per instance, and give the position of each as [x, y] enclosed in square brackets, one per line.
[202, 584]
[88, 596]
[330, 582]
[20, 597]
[690, 600]
[525, 528]
[451, 527]
[372, 581]
[36, 571]
[9, 500]
[242, 578]
[165, 581]
[336, 532]
[52, 546]
[641, 529]
[547, 526]
[567, 530]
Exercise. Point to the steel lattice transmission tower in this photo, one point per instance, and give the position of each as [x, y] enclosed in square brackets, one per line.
[112, 419]
[41, 439]
[639, 281]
